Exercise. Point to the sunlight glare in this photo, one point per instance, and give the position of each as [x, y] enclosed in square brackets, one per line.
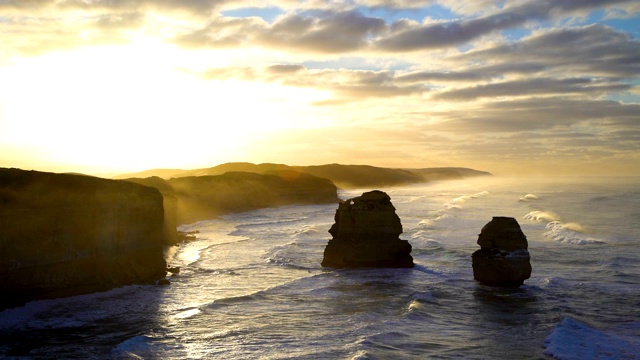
[133, 107]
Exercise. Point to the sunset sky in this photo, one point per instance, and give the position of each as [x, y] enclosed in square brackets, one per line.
[525, 87]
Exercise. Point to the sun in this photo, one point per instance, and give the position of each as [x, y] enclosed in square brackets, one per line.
[135, 107]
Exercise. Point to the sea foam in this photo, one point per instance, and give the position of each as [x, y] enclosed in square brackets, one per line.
[541, 216]
[572, 339]
[570, 233]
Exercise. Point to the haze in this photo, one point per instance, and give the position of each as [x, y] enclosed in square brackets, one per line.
[529, 87]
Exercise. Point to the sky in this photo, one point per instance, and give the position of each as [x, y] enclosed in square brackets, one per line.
[522, 87]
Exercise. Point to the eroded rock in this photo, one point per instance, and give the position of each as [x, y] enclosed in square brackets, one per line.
[503, 258]
[366, 234]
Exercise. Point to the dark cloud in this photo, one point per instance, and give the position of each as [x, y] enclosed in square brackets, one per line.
[285, 69]
[332, 32]
[533, 87]
[430, 76]
[324, 32]
[597, 50]
[454, 33]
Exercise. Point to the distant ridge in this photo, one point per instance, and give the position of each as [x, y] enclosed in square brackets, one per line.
[193, 198]
[344, 176]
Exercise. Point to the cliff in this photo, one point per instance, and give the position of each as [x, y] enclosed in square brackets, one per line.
[63, 234]
[204, 197]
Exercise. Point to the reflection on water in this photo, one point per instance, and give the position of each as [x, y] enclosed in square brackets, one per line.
[256, 288]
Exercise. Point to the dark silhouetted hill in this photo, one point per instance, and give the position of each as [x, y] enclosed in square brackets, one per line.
[344, 176]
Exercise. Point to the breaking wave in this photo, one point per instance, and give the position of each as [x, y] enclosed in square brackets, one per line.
[570, 233]
[541, 216]
[572, 339]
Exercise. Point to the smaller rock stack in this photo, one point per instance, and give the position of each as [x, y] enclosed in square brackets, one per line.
[503, 258]
[366, 234]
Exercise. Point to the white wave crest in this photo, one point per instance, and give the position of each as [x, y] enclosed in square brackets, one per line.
[566, 233]
[306, 231]
[529, 197]
[138, 347]
[463, 198]
[541, 216]
[426, 223]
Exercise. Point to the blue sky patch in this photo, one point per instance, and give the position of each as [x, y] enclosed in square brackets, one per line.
[436, 12]
[268, 14]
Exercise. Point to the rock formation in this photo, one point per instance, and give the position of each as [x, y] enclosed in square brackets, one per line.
[503, 258]
[366, 234]
[63, 234]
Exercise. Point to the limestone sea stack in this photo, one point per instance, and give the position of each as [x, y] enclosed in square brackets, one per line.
[503, 258]
[366, 234]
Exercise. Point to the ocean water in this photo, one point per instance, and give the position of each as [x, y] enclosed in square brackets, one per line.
[251, 286]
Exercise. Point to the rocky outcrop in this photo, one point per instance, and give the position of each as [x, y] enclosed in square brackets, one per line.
[63, 234]
[366, 234]
[503, 258]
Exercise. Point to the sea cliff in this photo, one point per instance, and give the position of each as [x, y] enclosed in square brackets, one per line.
[195, 198]
[63, 234]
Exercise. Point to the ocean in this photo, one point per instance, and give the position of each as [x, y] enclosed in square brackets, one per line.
[251, 285]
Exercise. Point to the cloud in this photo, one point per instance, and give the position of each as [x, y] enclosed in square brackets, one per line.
[314, 31]
[533, 87]
[330, 32]
[596, 50]
[537, 114]
[483, 73]
[346, 85]
[329, 28]
[454, 33]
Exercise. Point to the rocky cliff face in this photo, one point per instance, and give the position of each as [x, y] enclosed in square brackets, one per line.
[366, 234]
[503, 258]
[64, 234]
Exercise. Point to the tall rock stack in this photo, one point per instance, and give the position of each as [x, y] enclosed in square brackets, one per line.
[366, 234]
[503, 258]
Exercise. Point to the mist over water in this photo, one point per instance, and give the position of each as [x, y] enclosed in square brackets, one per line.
[252, 286]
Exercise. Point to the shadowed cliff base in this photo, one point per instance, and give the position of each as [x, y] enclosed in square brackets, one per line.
[344, 176]
[64, 234]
